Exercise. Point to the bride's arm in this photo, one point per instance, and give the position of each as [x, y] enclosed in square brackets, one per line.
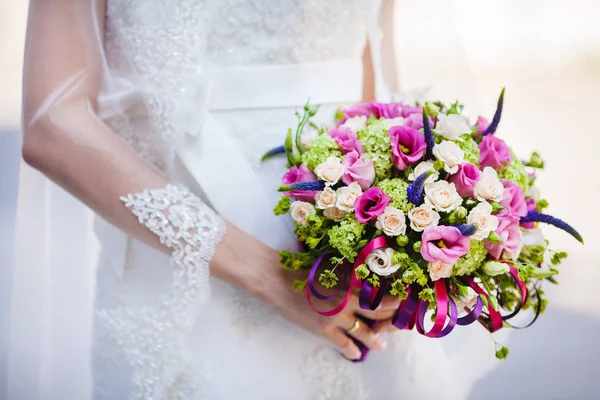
[66, 140]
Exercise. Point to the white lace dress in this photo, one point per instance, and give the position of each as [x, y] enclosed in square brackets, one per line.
[220, 80]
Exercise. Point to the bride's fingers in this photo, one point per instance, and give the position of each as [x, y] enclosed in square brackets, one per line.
[361, 331]
[376, 315]
[384, 326]
[343, 343]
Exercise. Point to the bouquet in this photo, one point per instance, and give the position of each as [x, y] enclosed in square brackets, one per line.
[412, 200]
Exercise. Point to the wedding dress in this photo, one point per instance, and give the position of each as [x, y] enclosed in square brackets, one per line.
[200, 89]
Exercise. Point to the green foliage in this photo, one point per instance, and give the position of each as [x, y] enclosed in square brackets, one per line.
[471, 261]
[540, 205]
[426, 294]
[396, 189]
[320, 149]
[469, 147]
[346, 236]
[515, 171]
[376, 143]
[558, 257]
[362, 272]
[535, 161]
[283, 206]
[374, 280]
[328, 278]
[300, 284]
[295, 261]
[398, 289]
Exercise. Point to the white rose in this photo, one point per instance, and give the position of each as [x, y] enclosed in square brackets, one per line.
[392, 222]
[438, 270]
[533, 237]
[330, 171]
[391, 122]
[423, 217]
[347, 195]
[301, 210]
[486, 222]
[326, 198]
[308, 137]
[356, 124]
[334, 213]
[442, 196]
[421, 167]
[452, 126]
[380, 262]
[489, 186]
[450, 154]
[534, 193]
[469, 300]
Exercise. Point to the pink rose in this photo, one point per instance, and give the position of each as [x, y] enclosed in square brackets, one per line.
[357, 110]
[444, 243]
[509, 232]
[513, 201]
[482, 124]
[371, 204]
[300, 174]
[387, 110]
[358, 169]
[347, 139]
[465, 179]
[530, 207]
[408, 110]
[494, 152]
[408, 146]
[415, 121]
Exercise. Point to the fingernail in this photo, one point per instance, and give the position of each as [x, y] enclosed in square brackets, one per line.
[355, 354]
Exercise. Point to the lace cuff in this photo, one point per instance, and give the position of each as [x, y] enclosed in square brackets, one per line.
[155, 338]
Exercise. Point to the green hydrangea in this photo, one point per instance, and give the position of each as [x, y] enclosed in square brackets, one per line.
[515, 171]
[469, 147]
[376, 143]
[320, 149]
[396, 189]
[468, 263]
[345, 237]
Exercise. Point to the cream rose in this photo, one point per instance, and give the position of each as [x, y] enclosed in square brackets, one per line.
[392, 222]
[356, 124]
[469, 300]
[489, 186]
[390, 122]
[347, 195]
[452, 126]
[442, 196]
[421, 167]
[423, 217]
[325, 199]
[300, 210]
[334, 213]
[481, 215]
[450, 154]
[380, 262]
[438, 270]
[533, 237]
[330, 171]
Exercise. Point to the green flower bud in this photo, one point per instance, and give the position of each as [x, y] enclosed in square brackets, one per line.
[502, 353]
[461, 291]
[431, 109]
[493, 268]
[543, 203]
[328, 279]
[417, 246]
[458, 215]
[496, 207]
[402, 240]
[494, 238]
[409, 276]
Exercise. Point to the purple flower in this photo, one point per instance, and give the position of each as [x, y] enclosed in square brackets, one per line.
[358, 169]
[494, 152]
[347, 139]
[444, 243]
[465, 179]
[371, 204]
[530, 207]
[408, 146]
[508, 230]
[300, 174]
[513, 201]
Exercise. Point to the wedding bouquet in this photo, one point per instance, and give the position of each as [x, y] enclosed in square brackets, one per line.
[414, 201]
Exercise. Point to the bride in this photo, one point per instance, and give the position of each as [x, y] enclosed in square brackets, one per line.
[155, 115]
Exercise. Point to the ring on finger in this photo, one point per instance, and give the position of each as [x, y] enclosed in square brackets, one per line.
[354, 327]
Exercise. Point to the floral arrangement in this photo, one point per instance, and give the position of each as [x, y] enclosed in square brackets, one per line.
[414, 201]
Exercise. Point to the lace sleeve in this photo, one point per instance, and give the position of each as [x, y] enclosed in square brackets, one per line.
[155, 338]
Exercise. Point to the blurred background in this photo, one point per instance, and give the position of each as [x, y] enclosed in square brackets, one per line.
[547, 55]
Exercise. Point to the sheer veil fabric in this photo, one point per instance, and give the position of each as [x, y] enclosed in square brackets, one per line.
[149, 72]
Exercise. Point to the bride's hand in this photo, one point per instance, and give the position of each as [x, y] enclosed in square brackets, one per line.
[249, 264]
